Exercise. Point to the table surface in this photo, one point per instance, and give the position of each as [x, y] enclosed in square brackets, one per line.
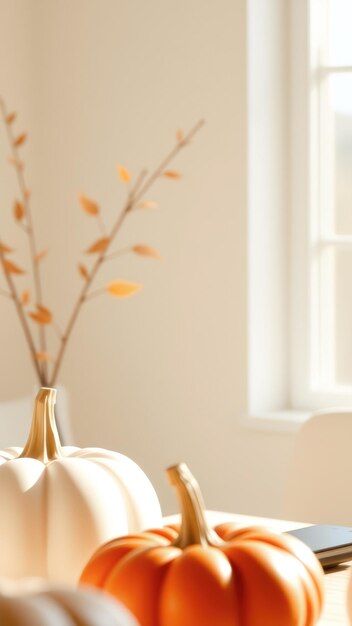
[336, 580]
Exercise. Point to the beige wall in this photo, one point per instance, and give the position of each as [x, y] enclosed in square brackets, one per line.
[163, 376]
[16, 86]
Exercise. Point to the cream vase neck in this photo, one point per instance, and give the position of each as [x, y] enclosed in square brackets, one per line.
[43, 442]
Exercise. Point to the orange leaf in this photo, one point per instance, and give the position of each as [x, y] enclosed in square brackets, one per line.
[45, 311]
[10, 117]
[172, 174]
[42, 315]
[40, 255]
[25, 297]
[180, 135]
[99, 246]
[43, 356]
[148, 251]
[18, 210]
[83, 271]
[90, 207]
[124, 174]
[20, 139]
[147, 204]
[12, 268]
[122, 288]
[4, 249]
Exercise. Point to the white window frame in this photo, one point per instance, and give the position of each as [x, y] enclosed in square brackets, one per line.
[284, 191]
[312, 303]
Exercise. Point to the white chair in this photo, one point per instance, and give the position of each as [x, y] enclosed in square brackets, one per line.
[16, 415]
[318, 484]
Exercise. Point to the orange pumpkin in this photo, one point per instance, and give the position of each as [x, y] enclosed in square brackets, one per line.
[198, 577]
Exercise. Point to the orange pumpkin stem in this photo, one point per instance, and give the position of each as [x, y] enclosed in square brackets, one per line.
[43, 442]
[194, 526]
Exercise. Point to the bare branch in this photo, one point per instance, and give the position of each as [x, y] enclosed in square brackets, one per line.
[28, 226]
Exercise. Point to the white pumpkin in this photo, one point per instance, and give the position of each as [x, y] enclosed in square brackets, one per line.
[62, 607]
[58, 504]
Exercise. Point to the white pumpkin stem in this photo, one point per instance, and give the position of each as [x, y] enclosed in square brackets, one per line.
[43, 442]
[194, 526]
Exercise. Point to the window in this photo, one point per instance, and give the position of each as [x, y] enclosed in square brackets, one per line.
[322, 144]
[300, 204]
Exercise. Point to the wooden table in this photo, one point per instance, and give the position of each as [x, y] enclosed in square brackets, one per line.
[336, 580]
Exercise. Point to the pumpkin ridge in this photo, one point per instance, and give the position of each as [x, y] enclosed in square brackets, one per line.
[9, 454]
[238, 591]
[107, 556]
[116, 541]
[165, 532]
[26, 520]
[247, 557]
[310, 563]
[69, 472]
[286, 543]
[132, 521]
[310, 591]
[201, 574]
[60, 605]
[63, 600]
[30, 605]
[309, 582]
[134, 552]
[132, 563]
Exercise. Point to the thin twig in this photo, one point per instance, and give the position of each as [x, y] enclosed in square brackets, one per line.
[142, 185]
[139, 181]
[170, 157]
[24, 227]
[93, 294]
[117, 253]
[28, 228]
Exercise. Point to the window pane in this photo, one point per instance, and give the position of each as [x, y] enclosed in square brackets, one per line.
[340, 21]
[341, 102]
[343, 316]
